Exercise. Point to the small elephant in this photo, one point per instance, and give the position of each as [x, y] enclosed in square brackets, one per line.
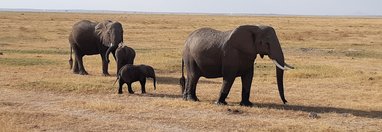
[132, 73]
[124, 55]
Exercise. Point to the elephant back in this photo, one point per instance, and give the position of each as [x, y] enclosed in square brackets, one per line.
[125, 54]
[84, 37]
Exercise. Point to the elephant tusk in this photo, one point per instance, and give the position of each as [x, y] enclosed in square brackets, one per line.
[288, 66]
[278, 65]
[111, 44]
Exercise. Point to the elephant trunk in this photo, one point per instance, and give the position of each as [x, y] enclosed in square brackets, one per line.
[279, 62]
[277, 55]
[280, 83]
[112, 48]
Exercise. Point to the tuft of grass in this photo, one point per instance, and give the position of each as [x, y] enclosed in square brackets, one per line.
[57, 52]
[97, 105]
[76, 87]
[9, 126]
[363, 54]
[316, 71]
[25, 61]
[4, 44]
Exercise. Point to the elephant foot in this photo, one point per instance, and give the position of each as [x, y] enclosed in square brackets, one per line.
[246, 103]
[131, 92]
[76, 70]
[143, 92]
[285, 102]
[191, 98]
[221, 102]
[105, 74]
[184, 97]
[120, 92]
[83, 73]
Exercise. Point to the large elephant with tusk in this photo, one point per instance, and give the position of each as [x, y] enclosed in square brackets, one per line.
[90, 38]
[211, 53]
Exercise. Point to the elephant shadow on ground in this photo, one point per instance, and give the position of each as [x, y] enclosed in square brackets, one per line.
[316, 109]
[322, 109]
[172, 81]
[175, 81]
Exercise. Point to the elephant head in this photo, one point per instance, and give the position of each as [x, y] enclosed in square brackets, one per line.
[148, 71]
[262, 40]
[110, 34]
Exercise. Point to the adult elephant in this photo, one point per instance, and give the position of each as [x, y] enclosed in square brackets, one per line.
[90, 38]
[211, 53]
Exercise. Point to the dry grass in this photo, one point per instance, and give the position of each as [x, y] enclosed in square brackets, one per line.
[338, 76]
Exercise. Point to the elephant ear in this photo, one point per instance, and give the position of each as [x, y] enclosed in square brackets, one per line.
[101, 30]
[244, 39]
[103, 24]
[275, 51]
[99, 26]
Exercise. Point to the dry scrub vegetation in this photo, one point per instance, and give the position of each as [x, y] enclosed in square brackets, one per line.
[338, 76]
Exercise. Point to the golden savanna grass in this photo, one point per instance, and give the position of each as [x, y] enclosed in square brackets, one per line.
[338, 76]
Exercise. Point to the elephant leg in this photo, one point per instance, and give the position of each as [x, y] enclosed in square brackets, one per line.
[81, 67]
[194, 82]
[113, 52]
[105, 65]
[143, 84]
[129, 88]
[76, 68]
[191, 81]
[246, 88]
[120, 86]
[226, 87]
[191, 90]
[229, 74]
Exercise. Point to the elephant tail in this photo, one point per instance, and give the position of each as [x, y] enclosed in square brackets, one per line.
[182, 80]
[155, 83]
[118, 77]
[71, 59]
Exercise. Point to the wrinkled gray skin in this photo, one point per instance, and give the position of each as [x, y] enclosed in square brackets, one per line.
[211, 53]
[132, 73]
[124, 55]
[90, 38]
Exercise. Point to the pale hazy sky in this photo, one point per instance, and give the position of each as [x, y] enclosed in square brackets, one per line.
[295, 7]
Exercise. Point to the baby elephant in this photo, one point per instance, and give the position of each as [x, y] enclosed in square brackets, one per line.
[124, 55]
[132, 73]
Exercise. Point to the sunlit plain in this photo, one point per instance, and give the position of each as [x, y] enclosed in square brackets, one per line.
[338, 77]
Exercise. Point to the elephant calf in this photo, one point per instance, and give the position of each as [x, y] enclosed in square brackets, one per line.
[124, 55]
[132, 73]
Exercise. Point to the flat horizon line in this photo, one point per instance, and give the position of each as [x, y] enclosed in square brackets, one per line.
[166, 13]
